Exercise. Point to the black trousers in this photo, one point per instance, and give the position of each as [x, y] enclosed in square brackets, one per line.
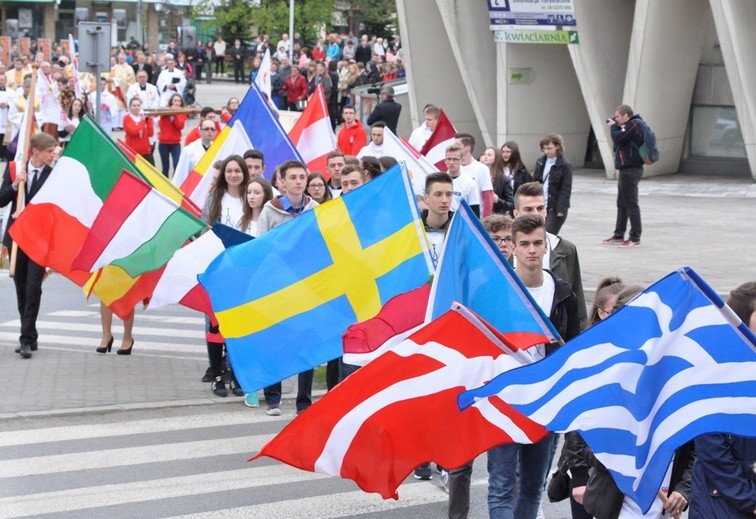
[239, 72]
[220, 64]
[28, 280]
[627, 203]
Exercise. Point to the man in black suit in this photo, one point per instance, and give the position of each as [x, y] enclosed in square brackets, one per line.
[28, 275]
[141, 64]
[387, 110]
[238, 56]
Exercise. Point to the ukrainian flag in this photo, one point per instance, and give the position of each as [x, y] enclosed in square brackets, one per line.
[284, 300]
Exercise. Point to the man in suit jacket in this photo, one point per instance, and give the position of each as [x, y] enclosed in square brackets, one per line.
[141, 64]
[238, 56]
[387, 110]
[28, 275]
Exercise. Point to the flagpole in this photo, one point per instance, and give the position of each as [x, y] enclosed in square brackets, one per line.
[291, 32]
[27, 131]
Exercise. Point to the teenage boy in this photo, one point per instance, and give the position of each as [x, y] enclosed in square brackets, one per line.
[520, 469]
[281, 209]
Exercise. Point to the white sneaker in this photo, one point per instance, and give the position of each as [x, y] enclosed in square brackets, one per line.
[273, 411]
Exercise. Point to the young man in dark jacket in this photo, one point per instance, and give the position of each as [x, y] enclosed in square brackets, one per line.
[627, 135]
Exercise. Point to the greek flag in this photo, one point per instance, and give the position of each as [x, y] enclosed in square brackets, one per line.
[673, 364]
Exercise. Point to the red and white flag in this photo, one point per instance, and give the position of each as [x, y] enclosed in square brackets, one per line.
[262, 80]
[401, 410]
[442, 137]
[399, 318]
[312, 133]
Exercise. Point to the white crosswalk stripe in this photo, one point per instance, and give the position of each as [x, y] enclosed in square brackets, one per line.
[165, 466]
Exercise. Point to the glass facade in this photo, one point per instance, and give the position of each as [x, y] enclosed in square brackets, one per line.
[715, 132]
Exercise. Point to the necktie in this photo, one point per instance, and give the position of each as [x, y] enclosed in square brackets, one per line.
[32, 179]
[143, 87]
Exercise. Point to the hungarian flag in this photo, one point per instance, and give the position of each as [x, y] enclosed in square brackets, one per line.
[178, 283]
[312, 133]
[401, 316]
[137, 229]
[401, 410]
[442, 137]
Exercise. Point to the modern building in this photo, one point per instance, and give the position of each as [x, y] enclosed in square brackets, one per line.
[686, 66]
[56, 19]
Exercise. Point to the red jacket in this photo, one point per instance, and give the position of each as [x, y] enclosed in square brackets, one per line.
[138, 134]
[170, 128]
[352, 139]
[296, 90]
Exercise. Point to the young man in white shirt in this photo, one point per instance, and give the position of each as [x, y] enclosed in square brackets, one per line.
[478, 171]
[465, 187]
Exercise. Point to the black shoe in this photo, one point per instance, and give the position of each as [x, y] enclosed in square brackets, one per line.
[218, 387]
[121, 351]
[208, 376]
[424, 472]
[235, 387]
[25, 351]
[107, 347]
[33, 347]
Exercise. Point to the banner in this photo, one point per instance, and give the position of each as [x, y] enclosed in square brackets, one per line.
[527, 12]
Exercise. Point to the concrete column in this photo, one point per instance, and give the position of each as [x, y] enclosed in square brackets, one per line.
[600, 61]
[734, 21]
[665, 50]
[467, 26]
[549, 100]
[152, 25]
[432, 72]
[48, 27]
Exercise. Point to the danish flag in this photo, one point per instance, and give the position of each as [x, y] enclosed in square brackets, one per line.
[401, 409]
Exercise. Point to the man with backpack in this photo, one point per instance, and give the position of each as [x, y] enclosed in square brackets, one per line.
[634, 146]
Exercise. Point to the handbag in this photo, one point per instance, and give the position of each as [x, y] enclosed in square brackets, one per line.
[602, 498]
[559, 486]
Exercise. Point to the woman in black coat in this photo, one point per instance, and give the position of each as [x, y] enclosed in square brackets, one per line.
[555, 173]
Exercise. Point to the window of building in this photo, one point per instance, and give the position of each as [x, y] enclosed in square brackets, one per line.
[715, 132]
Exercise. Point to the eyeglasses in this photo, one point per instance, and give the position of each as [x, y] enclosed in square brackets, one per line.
[318, 186]
[499, 239]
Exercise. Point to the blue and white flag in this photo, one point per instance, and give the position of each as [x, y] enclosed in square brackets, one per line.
[264, 130]
[673, 364]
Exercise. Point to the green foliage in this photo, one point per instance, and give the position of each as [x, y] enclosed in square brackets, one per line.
[310, 17]
[233, 18]
[378, 17]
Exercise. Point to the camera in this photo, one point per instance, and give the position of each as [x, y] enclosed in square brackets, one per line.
[374, 90]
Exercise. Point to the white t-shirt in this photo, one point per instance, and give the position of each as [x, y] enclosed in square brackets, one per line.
[231, 211]
[546, 172]
[630, 510]
[544, 297]
[420, 136]
[464, 188]
[481, 174]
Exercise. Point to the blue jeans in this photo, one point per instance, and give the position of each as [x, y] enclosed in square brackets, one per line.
[526, 465]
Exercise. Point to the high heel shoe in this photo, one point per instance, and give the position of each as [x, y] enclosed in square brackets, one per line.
[121, 351]
[106, 348]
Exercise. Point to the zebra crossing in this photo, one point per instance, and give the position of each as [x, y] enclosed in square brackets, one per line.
[179, 462]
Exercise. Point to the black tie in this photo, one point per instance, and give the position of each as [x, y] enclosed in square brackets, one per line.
[32, 180]
[143, 87]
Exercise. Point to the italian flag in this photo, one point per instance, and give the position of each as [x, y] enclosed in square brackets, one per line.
[55, 224]
[137, 229]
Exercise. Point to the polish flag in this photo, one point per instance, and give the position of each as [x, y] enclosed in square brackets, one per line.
[399, 318]
[442, 137]
[312, 134]
[401, 409]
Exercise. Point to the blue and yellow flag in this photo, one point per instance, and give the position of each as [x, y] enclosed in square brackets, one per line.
[284, 300]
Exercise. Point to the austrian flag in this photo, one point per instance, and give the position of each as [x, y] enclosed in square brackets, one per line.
[401, 409]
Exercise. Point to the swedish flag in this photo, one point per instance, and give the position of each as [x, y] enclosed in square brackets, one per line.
[284, 300]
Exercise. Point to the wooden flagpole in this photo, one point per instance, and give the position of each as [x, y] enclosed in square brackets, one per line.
[28, 128]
